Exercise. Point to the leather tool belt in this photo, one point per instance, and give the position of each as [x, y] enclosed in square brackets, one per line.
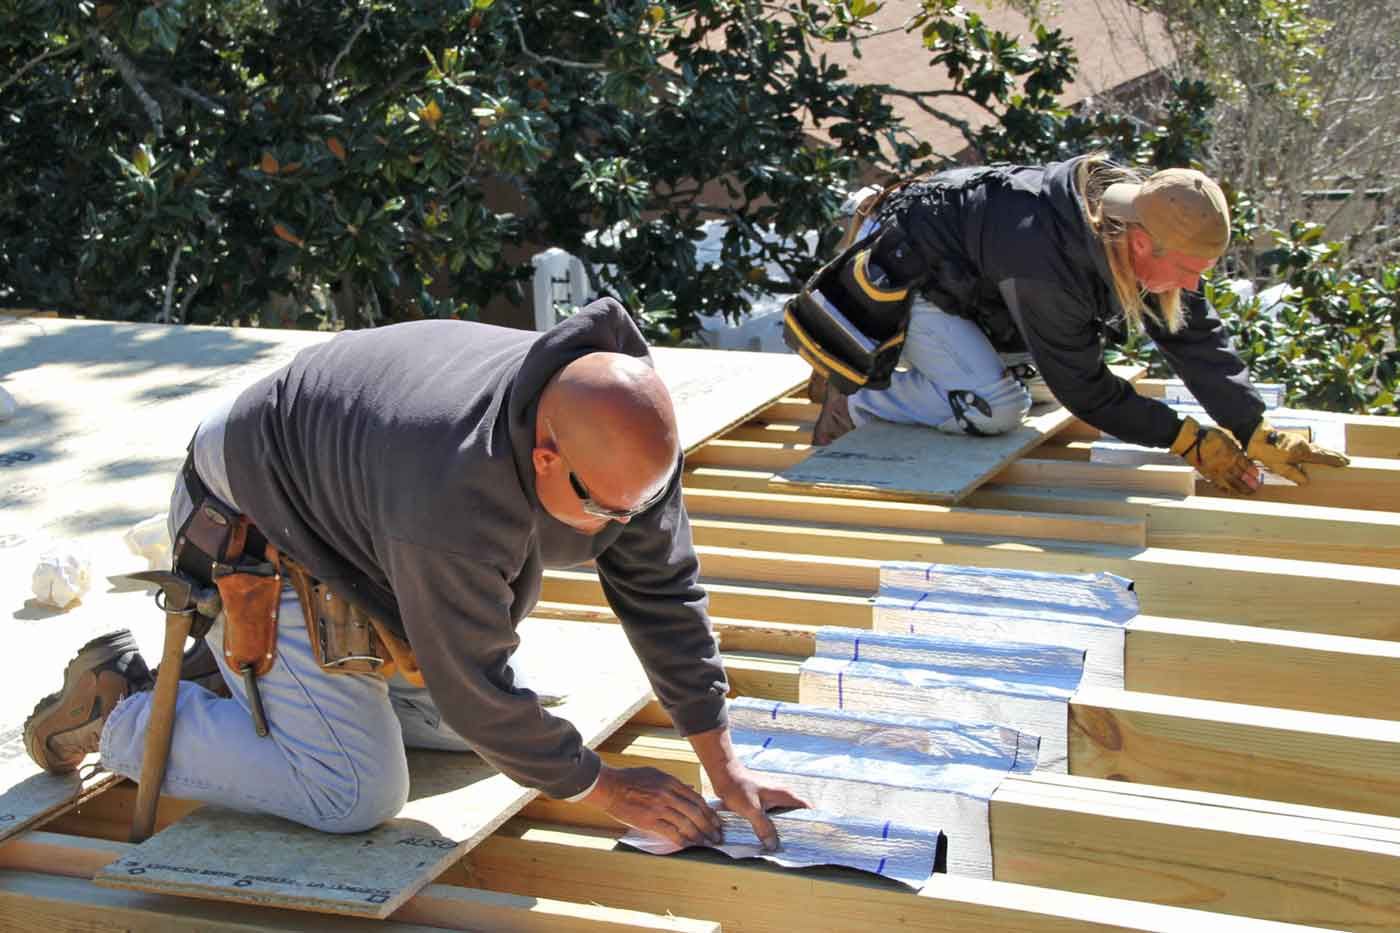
[218, 545]
[344, 638]
[215, 545]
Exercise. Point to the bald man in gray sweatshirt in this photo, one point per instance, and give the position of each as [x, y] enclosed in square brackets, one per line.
[428, 473]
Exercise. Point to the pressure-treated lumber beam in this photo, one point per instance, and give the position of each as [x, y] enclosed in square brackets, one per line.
[531, 859]
[1193, 523]
[870, 514]
[1368, 483]
[1220, 524]
[1179, 657]
[1145, 479]
[45, 883]
[1338, 599]
[762, 603]
[1316, 759]
[820, 590]
[1261, 667]
[1230, 854]
[1371, 436]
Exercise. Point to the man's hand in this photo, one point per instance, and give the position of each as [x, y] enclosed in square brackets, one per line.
[1216, 456]
[654, 802]
[742, 791]
[751, 795]
[1284, 453]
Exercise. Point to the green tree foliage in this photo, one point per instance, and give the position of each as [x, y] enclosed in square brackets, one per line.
[210, 160]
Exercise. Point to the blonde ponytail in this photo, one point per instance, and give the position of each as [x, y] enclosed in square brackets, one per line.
[1094, 176]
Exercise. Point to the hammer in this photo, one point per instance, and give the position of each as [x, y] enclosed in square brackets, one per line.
[181, 598]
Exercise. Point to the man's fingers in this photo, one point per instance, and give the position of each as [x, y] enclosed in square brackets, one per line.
[1290, 472]
[763, 828]
[778, 797]
[694, 816]
[1328, 457]
[668, 830]
[698, 826]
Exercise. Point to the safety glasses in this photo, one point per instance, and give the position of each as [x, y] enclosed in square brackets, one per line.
[589, 504]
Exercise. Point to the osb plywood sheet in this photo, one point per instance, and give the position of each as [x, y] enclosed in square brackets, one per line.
[881, 460]
[456, 800]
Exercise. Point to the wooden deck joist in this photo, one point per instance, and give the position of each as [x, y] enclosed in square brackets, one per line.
[1176, 657]
[1335, 599]
[1188, 522]
[1311, 759]
[1368, 483]
[485, 892]
[1233, 855]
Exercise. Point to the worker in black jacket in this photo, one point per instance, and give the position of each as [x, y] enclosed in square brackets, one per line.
[1023, 273]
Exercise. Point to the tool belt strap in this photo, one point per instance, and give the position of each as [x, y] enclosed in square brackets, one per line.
[218, 545]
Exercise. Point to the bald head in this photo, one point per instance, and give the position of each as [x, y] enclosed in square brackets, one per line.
[614, 421]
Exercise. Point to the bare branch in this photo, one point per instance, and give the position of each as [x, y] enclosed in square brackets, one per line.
[186, 301]
[114, 57]
[345, 50]
[213, 106]
[561, 62]
[45, 56]
[170, 284]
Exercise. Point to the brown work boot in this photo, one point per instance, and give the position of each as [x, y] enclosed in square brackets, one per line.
[67, 726]
[834, 419]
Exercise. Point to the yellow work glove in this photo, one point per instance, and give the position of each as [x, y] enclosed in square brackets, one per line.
[1284, 453]
[1216, 456]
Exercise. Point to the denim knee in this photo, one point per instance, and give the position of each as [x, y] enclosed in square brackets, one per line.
[376, 795]
[991, 409]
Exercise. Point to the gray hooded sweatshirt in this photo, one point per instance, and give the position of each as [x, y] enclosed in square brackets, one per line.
[396, 465]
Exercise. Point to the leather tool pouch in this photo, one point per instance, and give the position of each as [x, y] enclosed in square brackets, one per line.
[216, 545]
[251, 598]
[343, 637]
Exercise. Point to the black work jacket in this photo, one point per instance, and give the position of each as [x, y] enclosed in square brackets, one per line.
[1011, 248]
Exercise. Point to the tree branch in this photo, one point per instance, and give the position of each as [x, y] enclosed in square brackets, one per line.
[45, 56]
[170, 285]
[185, 302]
[114, 57]
[345, 50]
[561, 62]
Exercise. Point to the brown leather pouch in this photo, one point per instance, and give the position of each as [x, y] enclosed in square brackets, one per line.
[401, 657]
[342, 637]
[250, 618]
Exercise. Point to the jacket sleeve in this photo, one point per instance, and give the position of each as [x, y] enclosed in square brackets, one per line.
[1202, 355]
[1068, 352]
[649, 576]
[457, 612]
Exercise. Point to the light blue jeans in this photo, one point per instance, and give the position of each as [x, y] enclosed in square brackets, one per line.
[334, 756]
[946, 355]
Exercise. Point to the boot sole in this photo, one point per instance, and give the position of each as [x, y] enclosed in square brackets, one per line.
[98, 651]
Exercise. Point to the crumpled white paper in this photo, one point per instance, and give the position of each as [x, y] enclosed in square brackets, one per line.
[63, 575]
[150, 539]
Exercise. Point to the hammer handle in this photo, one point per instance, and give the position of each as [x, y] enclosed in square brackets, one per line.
[160, 726]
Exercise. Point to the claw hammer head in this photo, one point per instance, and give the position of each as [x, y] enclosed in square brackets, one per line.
[181, 593]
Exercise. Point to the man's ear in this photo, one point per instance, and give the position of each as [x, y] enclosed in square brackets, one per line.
[545, 460]
[1140, 242]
